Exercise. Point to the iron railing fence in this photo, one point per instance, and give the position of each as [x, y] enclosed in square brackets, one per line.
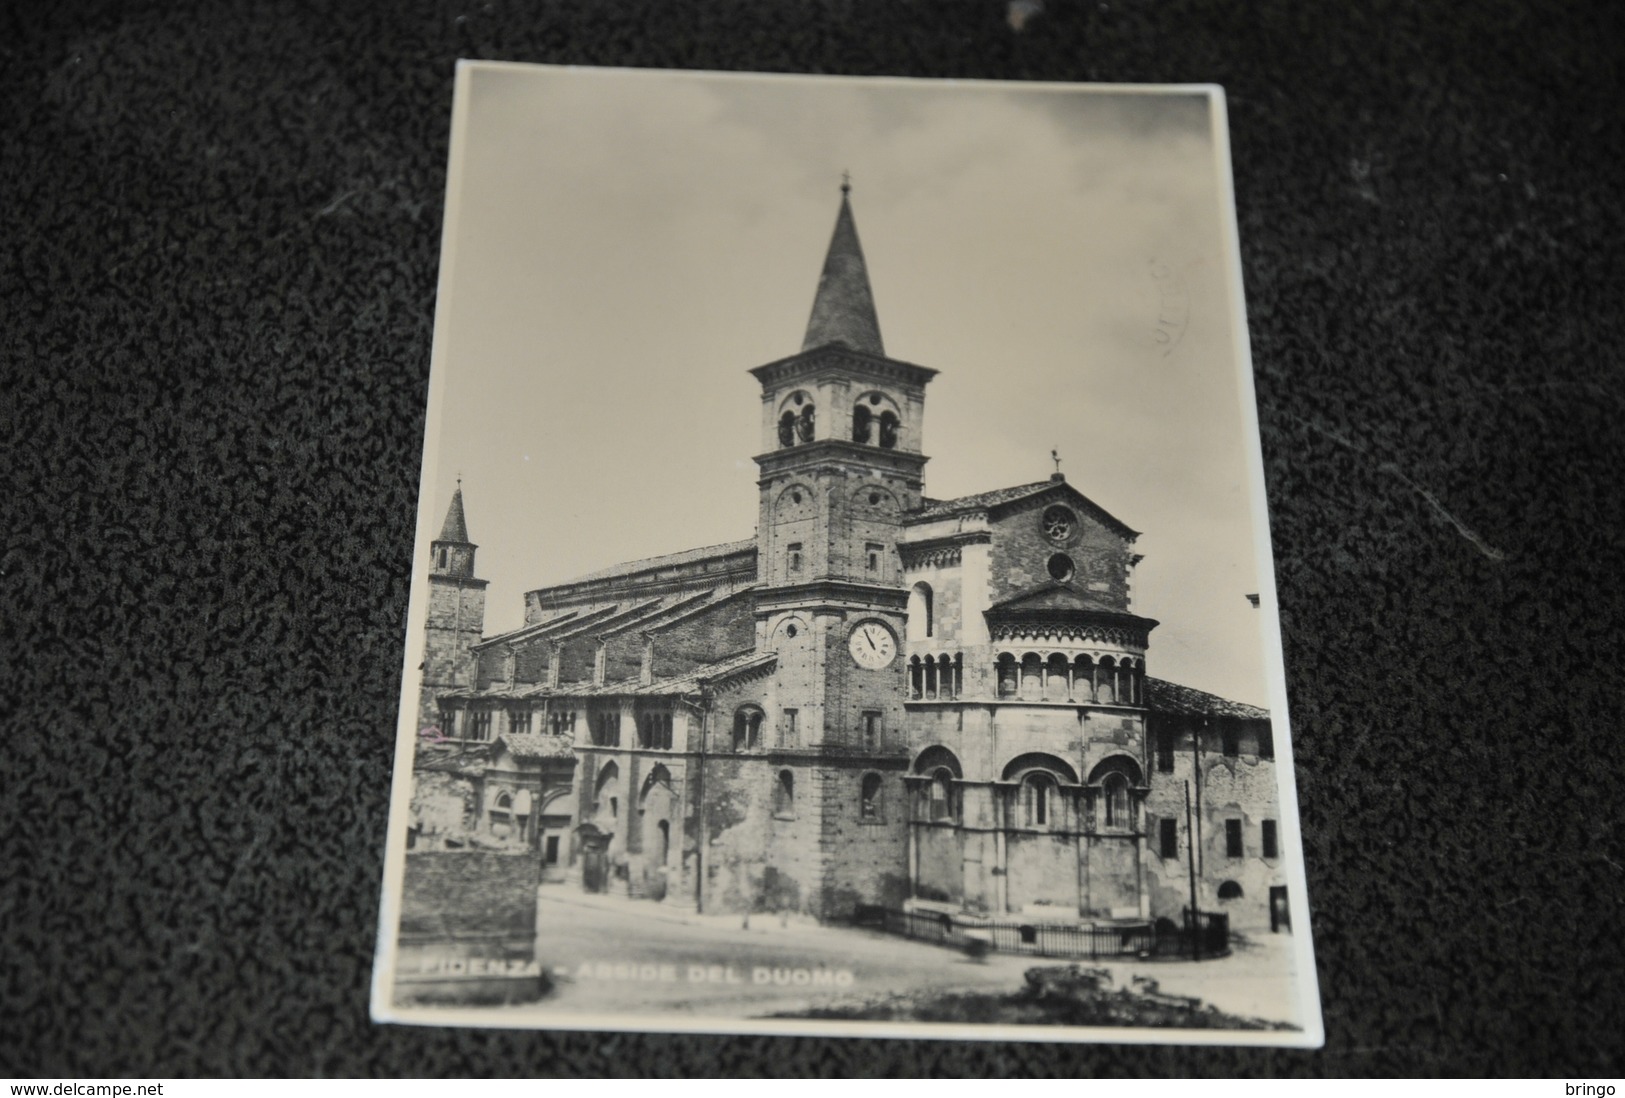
[1042, 939]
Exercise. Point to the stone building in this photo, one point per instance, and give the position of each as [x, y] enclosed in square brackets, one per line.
[880, 698]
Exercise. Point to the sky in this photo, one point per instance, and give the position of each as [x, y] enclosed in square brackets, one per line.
[622, 246]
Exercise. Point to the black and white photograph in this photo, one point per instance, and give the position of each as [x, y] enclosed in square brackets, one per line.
[842, 599]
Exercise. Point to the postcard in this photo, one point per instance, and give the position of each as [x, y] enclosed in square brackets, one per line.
[843, 600]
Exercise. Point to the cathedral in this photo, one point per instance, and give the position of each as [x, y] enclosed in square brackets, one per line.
[881, 699]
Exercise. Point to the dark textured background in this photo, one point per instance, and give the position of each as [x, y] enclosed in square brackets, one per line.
[217, 273]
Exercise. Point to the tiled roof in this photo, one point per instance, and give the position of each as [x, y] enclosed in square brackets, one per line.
[456, 527]
[686, 683]
[986, 501]
[937, 508]
[844, 307]
[1167, 697]
[466, 760]
[1054, 595]
[669, 560]
[535, 745]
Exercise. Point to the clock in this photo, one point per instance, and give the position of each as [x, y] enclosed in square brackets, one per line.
[872, 645]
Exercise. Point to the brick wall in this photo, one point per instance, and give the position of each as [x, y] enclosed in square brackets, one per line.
[706, 637]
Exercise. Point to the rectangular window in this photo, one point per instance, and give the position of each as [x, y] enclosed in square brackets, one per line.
[1168, 837]
[1272, 841]
[563, 724]
[1266, 742]
[1232, 838]
[519, 721]
[448, 723]
[607, 731]
[873, 550]
[552, 854]
[795, 556]
[872, 729]
[869, 804]
[1165, 750]
[479, 724]
[1231, 741]
[789, 737]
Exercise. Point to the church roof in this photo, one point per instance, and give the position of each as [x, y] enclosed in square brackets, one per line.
[668, 560]
[464, 760]
[844, 308]
[981, 501]
[1000, 497]
[456, 527]
[1055, 595]
[1166, 697]
[688, 683]
[533, 745]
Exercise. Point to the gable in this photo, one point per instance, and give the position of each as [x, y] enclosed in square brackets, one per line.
[1053, 542]
[1054, 596]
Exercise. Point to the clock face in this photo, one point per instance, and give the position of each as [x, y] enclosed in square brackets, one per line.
[872, 645]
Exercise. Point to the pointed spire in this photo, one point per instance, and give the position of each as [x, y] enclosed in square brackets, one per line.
[456, 527]
[844, 309]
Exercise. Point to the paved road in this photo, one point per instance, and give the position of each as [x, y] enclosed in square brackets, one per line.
[608, 957]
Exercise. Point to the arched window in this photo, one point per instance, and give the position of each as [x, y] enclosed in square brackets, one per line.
[1055, 678]
[869, 800]
[940, 796]
[1032, 677]
[1229, 890]
[1039, 800]
[607, 792]
[1083, 679]
[1009, 675]
[784, 795]
[787, 429]
[747, 728]
[889, 424]
[662, 842]
[1105, 681]
[861, 423]
[920, 624]
[1114, 791]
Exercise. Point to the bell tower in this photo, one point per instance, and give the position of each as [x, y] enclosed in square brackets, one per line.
[841, 465]
[456, 614]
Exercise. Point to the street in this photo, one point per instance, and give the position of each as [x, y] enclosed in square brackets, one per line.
[609, 955]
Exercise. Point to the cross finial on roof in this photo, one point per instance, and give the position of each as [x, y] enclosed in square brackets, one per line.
[1055, 456]
[846, 182]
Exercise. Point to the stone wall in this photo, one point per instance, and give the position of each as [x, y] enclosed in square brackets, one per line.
[1021, 554]
[444, 806]
[1243, 788]
[456, 616]
[469, 892]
